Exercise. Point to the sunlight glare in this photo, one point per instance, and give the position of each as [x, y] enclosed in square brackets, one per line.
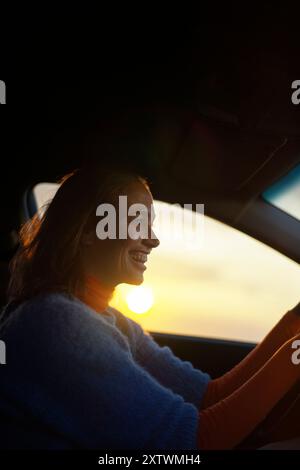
[140, 299]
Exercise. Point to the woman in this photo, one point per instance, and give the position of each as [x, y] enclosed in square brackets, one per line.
[80, 374]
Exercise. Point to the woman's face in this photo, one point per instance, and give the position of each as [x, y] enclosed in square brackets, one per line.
[116, 261]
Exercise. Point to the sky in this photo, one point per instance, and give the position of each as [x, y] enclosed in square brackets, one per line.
[285, 193]
[230, 287]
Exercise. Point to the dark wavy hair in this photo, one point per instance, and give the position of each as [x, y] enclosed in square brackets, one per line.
[49, 257]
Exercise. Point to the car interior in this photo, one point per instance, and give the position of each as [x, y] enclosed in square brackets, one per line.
[205, 124]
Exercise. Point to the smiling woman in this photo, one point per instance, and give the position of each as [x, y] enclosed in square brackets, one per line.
[79, 354]
[227, 284]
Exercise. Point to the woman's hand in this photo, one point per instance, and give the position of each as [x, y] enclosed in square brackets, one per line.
[287, 327]
[296, 310]
[249, 404]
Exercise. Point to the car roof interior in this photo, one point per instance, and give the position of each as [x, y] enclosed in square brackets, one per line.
[205, 124]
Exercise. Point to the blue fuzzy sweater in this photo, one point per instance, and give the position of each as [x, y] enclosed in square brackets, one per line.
[75, 378]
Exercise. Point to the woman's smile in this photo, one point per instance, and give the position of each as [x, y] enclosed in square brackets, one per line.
[139, 258]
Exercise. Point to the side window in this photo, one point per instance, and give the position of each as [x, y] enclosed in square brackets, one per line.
[231, 286]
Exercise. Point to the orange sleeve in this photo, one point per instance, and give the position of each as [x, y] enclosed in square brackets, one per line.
[287, 327]
[227, 422]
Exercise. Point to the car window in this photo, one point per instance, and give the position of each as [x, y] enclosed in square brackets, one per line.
[285, 193]
[229, 286]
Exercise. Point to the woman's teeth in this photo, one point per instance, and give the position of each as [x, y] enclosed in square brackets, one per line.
[139, 257]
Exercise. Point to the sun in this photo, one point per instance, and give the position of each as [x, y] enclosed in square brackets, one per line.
[140, 299]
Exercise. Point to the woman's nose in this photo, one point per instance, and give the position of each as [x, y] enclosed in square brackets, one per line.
[153, 241]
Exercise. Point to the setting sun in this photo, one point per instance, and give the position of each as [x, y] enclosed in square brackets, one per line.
[140, 299]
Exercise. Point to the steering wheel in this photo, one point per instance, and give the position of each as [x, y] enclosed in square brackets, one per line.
[282, 423]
